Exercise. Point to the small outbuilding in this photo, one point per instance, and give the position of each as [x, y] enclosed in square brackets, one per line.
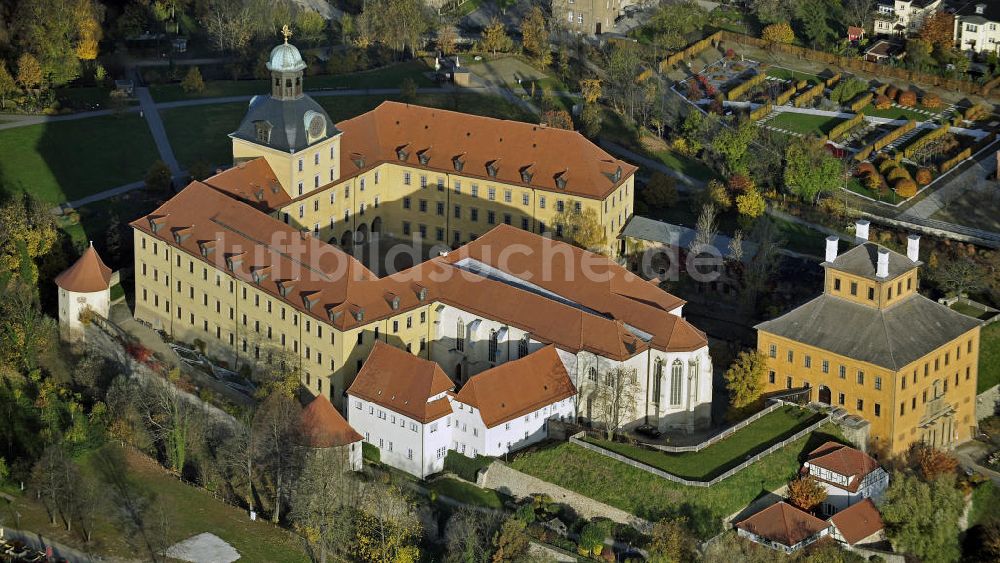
[324, 428]
[84, 286]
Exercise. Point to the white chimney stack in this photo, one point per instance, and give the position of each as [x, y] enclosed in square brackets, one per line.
[861, 229]
[831, 248]
[913, 248]
[882, 269]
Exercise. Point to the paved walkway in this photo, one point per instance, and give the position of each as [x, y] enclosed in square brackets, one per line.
[152, 115]
[40, 542]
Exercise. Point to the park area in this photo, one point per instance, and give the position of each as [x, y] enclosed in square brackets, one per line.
[718, 458]
[651, 497]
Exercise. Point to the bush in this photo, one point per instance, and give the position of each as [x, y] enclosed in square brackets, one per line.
[865, 168]
[924, 176]
[897, 173]
[891, 92]
[661, 191]
[906, 187]
[883, 102]
[739, 183]
[907, 99]
[193, 82]
[464, 467]
[931, 101]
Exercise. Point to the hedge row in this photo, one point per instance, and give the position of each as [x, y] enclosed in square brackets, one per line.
[896, 133]
[917, 144]
[690, 51]
[859, 65]
[993, 83]
[953, 161]
[838, 131]
[745, 87]
[810, 94]
[761, 112]
[861, 102]
[783, 97]
[830, 82]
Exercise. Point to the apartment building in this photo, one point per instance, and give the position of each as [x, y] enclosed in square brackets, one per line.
[873, 346]
[902, 17]
[977, 27]
[591, 17]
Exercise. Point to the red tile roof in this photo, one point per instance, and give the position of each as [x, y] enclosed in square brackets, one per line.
[324, 427]
[518, 387]
[252, 182]
[403, 383]
[87, 275]
[843, 460]
[434, 139]
[858, 521]
[783, 523]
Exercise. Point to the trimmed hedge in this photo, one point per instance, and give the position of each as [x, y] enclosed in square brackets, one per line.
[745, 87]
[861, 102]
[809, 95]
[896, 133]
[953, 161]
[832, 80]
[864, 153]
[846, 126]
[916, 145]
[761, 112]
[465, 467]
[783, 97]
[801, 84]
[690, 51]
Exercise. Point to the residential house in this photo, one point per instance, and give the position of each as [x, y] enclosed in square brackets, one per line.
[902, 17]
[590, 17]
[858, 524]
[783, 527]
[872, 345]
[323, 428]
[848, 475]
[977, 27]
[400, 404]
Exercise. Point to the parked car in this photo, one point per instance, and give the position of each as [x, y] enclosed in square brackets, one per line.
[649, 431]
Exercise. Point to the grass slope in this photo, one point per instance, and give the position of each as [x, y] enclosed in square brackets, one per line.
[989, 357]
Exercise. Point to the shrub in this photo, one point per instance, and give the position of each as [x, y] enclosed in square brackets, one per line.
[865, 168]
[193, 83]
[897, 173]
[891, 92]
[883, 102]
[739, 183]
[924, 176]
[906, 187]
[778, 33]
[931, 101]
[907, 99]
[886, 164]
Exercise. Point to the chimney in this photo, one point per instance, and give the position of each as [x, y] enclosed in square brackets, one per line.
[861, 230]
[913, 248]
[831, 248]
[882, 269]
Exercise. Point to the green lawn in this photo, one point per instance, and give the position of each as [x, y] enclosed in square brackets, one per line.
[690, 166]
[385, 77]
[895, 113]
[971, 311]
[800, 238]
[653, 498]
[67, 160]
[730, 452]
[804, 123]
[989, 357]
[855, 185]
[466, 493]
[789, 74]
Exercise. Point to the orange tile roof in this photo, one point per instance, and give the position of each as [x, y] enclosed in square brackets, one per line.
[783, 523]
[858, 521]
[403, 383]
[518, 387]
[87, 275]
[522, 153]
[252, 182]
[324, 427]
[588, 303]
[843, 460]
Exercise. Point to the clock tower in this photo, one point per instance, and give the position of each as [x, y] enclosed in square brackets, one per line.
[289, 128]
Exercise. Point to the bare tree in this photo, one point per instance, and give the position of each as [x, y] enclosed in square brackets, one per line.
[468, 535]
[323, 501]
[859, 12]
[136, 511]
[615, 398]
[959, 276]
[706, 229]
[277, 425]
[170, 420]
[239, 455]
[49, 478]
[764, 265]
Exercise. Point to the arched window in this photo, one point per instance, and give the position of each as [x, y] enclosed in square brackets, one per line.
[657, 381]
[675, 382]
[493, 346]
[460, 336]
[592, 374]
[522, 347]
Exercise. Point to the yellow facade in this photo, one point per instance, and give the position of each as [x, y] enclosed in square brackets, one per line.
[299, 173]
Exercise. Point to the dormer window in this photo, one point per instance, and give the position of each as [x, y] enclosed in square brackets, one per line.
[393, 300]
[263, 131]
[421, 293]
[157, 223]
[310, 300]
[402, 154]
[458, 162]
[182, 234]
[260, 274]
[333, 314]
[358, 159]
[617, 176]
[526, 174]
[561, 180]
[234, 261]
[492, 168]
[424, 157]
[207, 247]
[358, 313]
[285, 287]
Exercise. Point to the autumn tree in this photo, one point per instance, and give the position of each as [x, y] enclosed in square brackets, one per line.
[778, 33]
[591, 90]
[27, 233]
[810, 171]
[934, 463]
[469, 533]
[660, 192]
[750, 204]
[387, 527]
[615, 395]
[511, 542]
[88, 16]
[8, 86]
[907, 99]
[733, 144]
[29, 71]
[938, 30]
[745, 378]
[57, 33]
[581, 227]
[806, 493]
[535, 36]
[446, 40]
[559, 119]
[672, 541]
[717, 194]
[591, 118]
[495, 38]
[193, 83]
[323, 503]
[311, 27]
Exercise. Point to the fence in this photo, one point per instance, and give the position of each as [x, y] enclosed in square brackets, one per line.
[576, 439]
[721, 435]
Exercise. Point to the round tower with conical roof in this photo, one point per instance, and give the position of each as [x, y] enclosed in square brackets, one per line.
[84, 286]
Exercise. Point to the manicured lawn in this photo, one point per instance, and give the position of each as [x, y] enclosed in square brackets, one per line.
[789, 74]
[730, 452]
[651, 497]
[187, 511]
[385, 77]
[989, 357]
[67, 160]
[690, 166]
[804, 123]
[466, 493]
[971, 311]
[855, 185]
[895, 113]
[800, 238]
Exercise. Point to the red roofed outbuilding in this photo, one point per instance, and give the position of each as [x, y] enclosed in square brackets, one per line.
[783, 527]
[323, 427]
[84, 286]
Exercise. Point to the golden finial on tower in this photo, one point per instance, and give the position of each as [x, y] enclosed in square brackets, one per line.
[286, 31]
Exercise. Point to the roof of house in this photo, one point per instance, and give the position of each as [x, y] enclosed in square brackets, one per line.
[560, 294]
[444, 141]
[252, 182]
[853, 30]
[783, 523]
[991, 11]
[887, 337]
[287, 119]
[324, 427]
[87, 275]
[403, 383]
[518, 387]
[843, 460]
[884, 48]
[644, 228]
[862, 260]
[858, 521]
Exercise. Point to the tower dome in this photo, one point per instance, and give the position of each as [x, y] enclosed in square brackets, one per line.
[285, 58]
